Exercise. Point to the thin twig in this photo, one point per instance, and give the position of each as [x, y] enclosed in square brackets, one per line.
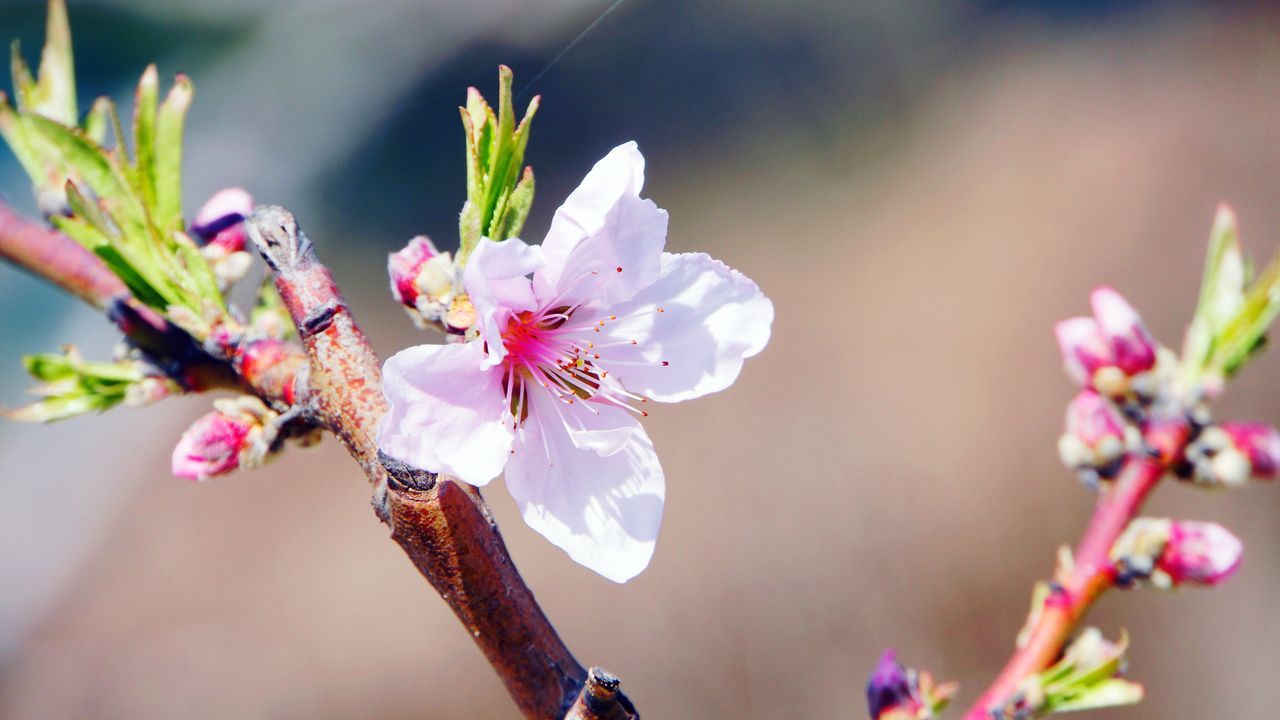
[1092, 571]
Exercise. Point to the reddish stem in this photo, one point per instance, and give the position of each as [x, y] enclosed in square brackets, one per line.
[57, 258]
[1092, 572]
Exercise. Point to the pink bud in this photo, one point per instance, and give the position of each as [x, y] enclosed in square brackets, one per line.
[211, 446]
[1094, 419]
[1201, 553]
[1084, 348]
[1132, 346]
[220, 221]
[403, 267]
[1095, 432]
[420, 270]
[1259, 443]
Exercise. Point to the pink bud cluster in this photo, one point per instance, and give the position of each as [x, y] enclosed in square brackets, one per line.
[1234, 453]
[423, 280]
[1168, 553]
[1111, 352]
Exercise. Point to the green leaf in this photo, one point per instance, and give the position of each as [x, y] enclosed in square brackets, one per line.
[516, 208]
[94, 167]
[145, 101]
[1114, 692]
[72, 386]
[57, 79]
[168, 158]
[24, 85]
[15, 136]
[98, 121]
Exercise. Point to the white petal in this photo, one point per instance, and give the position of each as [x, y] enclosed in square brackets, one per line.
[447, 414]
[604, 225]
[712, 318]
[496, 280]
[603, 510]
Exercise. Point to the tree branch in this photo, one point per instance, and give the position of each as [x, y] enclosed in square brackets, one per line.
[1091, 573]
[57, 258]
[443, 525]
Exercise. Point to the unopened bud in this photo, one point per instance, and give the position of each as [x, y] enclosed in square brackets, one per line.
[1084, 349]
[1234, 454]
[1132, 346]
[219, 227]
[1096, 436]
[422, 278]
[890, 691]
[1201, 553]
[1111, 352]
[1167, 553]
[239, 433]
[898, 693]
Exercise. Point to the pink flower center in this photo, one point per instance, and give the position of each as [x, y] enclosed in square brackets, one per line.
[546, 348]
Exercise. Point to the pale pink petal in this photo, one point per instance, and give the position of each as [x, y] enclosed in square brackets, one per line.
[603, 510]
[496, 280]
[605, 241]
[447, 413]
[594, 424]
[692, 329]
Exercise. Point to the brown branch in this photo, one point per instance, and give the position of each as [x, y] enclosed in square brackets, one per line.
[443, 525]
[600, 699]
[1092, 571]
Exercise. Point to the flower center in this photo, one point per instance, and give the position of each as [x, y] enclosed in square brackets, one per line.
[544, 348]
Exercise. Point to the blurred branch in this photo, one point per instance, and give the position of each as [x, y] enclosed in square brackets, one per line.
[1092, 571]
[443, 525]
[57, 258]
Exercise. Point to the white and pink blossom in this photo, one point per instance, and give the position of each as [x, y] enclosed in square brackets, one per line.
[573, 340]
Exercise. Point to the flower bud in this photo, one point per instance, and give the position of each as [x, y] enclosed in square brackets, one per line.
[221, 219]
[1111, 352]
[219, 227]
[1132, 347]
[1167, 553]
[890, 690]
[238, 433]
[1201, 553]
[1084, 349]
[422, 278]
[898, 693]
[1096, 434]
[1234, 454]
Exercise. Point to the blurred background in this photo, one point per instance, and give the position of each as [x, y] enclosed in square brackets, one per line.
[922, 187]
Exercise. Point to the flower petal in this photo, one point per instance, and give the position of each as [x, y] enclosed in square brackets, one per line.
[447, 414]
[495, 279]
[605, 241]
[603, 510]
[692, 329]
